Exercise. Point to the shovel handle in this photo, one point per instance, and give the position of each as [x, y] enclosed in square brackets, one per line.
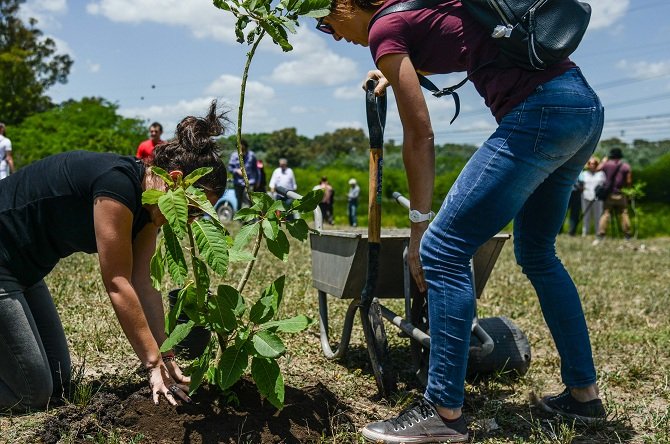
[376, 117]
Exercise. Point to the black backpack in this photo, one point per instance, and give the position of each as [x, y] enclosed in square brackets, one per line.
[531, 34]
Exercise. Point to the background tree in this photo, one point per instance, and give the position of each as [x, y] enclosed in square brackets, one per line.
[29, 65]
[90, 124]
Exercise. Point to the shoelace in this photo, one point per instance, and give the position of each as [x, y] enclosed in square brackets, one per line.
[417, 411]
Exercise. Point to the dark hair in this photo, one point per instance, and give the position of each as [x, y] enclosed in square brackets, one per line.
[615, 153]
[244, 143]
[194, 147]
[156, 125]
[345, 8]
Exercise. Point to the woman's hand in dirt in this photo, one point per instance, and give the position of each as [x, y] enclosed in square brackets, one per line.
[382, 83]
[162, 383]
[413, 257]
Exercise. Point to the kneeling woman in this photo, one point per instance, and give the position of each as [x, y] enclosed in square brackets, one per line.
[89, 202]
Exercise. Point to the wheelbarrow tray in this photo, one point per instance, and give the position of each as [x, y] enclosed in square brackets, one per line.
[339, 262]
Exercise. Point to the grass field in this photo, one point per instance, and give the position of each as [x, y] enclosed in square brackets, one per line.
[625, 288]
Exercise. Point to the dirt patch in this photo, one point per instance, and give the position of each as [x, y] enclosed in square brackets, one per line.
[309, 415]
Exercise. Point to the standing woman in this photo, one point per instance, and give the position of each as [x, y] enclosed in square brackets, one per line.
[90, 202]
[592, 207]
[549, 123]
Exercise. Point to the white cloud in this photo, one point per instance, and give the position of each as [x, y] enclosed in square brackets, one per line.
[200, 16]
[228, 86]
[297, 109]
[606, 12]
[335, 124]
[44, 11]
[93, 67]
[348, 92]
[313, 63]
[645, 70]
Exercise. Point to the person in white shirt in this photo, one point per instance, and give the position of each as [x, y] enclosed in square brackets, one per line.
[6, 159]
[592, 208]
[282, 177]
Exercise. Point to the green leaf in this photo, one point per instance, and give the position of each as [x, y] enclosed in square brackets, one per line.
[240, 256]
[292, 325]
[298, 229]
[309, 201]
[233, 363]
[279, 247]
[245, 235]
[311, 7]
[270, 228]
[174, 256]
[157, 267]
[262, 202]
[233, 299]
[268, 344]
[202, 280]
[267, 305]
[163, 175]
[196, 197]
[151, 196]
[174, 207]
[200, 366]
[212, 245]
[269, 380]
[246, 214]
[177, 335]
[175, 311]
[196, 175]
[220, 314]
[278, 34]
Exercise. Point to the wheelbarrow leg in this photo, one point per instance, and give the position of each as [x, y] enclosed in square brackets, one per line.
[341, 349]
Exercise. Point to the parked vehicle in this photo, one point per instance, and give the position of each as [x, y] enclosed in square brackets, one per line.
[227, 205]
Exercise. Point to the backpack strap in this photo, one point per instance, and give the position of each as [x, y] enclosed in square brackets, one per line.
[413, 5]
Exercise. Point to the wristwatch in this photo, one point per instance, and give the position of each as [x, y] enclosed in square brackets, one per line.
[416, 216]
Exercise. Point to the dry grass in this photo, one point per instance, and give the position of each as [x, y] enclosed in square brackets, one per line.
[625, 289]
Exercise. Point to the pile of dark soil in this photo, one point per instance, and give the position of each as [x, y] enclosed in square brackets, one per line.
[308, 415]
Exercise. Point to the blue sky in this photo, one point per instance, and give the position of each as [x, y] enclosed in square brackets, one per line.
[164, 59]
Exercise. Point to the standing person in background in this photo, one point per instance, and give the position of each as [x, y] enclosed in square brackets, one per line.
[6, 159]
[575, 207]
[326, 204]
[592, 207]
[251, 165]
[145, 150]
[618, 175]
[352, 202]
[91, 202]
[283, 177]
[261, 183]
[549, 124]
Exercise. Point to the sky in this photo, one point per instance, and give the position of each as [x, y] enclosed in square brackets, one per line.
[161, 60]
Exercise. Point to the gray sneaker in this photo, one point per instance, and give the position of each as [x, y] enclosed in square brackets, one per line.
[418, 423]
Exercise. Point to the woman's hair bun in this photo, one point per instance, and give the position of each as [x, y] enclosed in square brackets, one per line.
[196, 133]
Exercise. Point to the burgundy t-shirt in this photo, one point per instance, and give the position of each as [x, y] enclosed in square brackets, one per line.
[447, 39]
[610, 167]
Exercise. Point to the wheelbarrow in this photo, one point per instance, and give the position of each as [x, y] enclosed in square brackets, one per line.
[368, 267]
[339, 261]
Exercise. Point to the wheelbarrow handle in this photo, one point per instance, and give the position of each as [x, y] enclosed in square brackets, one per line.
[318, 217]
[402, 200]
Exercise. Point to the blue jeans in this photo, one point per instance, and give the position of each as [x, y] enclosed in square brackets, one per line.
[352, 208]
[34, 356]
[524, 171]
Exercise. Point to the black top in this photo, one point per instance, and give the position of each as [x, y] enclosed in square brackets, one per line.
[46, 209]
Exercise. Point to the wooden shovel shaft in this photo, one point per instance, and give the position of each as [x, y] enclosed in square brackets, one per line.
[375, 195]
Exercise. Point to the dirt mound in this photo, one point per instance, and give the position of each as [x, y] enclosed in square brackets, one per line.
[308, 415]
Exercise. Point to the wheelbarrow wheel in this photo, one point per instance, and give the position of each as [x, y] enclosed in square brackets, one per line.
[511, 353]
[378, 350]
[420, 354]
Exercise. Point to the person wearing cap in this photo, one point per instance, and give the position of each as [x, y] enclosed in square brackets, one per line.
[619, 174]
[6, 159]
[352, 201]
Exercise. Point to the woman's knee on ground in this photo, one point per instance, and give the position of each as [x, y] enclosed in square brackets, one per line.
[30, 392]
